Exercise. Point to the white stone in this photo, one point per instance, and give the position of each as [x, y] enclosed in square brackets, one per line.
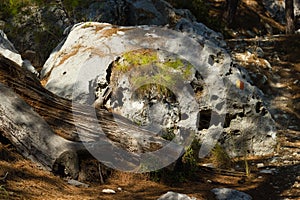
[108, 191]
[266, 171]
[77, 183]
[175, 196]
[210, 165]
[28, 66]
[260, 165]
[8, 50]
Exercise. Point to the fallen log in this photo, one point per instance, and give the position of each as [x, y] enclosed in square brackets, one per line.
[53, 131]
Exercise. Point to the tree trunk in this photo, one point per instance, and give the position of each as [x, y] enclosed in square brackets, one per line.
[289, 16]
[231, 10]
[53, 131]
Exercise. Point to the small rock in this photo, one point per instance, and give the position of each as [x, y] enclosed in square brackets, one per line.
[175, 196]
[250, 33]
[230, 194]
[260, 165]
[274, 160]
[210, 165]
[27, 65]
[267, 171]
[77, 183]
[286, 162]
[108, 191]
[120, 189]
[259, 52]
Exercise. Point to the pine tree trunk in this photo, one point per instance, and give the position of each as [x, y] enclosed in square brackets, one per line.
[43, 128]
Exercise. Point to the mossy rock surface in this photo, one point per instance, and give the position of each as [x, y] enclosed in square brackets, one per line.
[150, 70]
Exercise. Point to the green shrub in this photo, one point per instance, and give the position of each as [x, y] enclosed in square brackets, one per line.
[220, 158]
[184, 169]
[10, 8]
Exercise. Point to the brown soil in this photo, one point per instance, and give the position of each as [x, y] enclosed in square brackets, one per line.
[26, 180]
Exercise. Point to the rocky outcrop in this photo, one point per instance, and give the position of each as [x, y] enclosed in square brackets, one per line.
[180, 85]
[277, 9]
[8, 50]
[48, 21]
[51, 21]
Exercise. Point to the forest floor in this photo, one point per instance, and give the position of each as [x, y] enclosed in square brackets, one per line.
[281, 86]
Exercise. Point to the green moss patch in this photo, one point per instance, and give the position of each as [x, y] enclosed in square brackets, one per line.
[153, 70]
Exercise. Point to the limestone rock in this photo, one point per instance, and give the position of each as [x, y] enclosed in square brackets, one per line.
[48, 21]
[5, 43]
[52, 21]
[108, 191]
[172, 83]
[27, 65]
[277, 9]
[111, 11]
[149, 12]
[200, 32]
[230, 194]
[77, 183]
[8, 50]
[175, 196]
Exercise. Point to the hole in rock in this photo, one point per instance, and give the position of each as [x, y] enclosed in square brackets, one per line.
[258, 106]
[204, 121]
[109, 70]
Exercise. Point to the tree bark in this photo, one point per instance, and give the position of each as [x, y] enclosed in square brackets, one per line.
[290, 17]
[53, 131]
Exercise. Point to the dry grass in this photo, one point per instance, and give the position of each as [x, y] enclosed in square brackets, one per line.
[68, 55]
[127, 178]
[95, 51]
[45, 80]
[113, 30]
[109, 32]
[220, 158]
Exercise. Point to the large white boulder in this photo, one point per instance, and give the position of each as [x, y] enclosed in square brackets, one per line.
[174, 83]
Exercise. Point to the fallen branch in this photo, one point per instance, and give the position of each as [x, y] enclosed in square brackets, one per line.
[52, 131]
[4, 177]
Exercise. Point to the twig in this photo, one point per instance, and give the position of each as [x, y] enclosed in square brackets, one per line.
[100, 173]
[4, 177]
